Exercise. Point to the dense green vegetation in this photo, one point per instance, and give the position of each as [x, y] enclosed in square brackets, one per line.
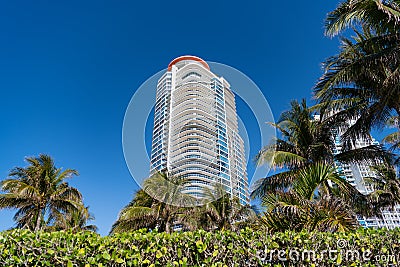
[200, 248]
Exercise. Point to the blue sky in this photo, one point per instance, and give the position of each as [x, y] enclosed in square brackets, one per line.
[68, 70]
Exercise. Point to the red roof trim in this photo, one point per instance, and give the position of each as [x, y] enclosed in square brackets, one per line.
[178, 59]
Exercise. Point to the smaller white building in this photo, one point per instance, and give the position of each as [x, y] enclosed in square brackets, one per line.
[357, 174]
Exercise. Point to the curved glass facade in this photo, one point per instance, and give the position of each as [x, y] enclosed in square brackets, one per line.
[195, 131]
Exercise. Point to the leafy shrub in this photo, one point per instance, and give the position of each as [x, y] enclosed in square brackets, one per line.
[365, 247]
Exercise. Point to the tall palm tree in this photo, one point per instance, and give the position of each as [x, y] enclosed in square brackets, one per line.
[305, 140]
[380, 16]
[363, 80]
[39, 192]
[159, 205]
[300, 194]
[362, 85]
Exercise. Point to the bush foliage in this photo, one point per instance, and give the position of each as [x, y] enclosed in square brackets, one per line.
[365, 247]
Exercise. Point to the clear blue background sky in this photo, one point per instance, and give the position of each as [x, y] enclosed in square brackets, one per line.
[69, 68]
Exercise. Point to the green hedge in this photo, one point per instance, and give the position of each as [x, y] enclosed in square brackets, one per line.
[223, 248]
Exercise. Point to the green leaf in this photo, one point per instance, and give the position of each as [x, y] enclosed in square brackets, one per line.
[215, 253]
[339, 259]
[158, 254]
[106, 256]
[81, 251]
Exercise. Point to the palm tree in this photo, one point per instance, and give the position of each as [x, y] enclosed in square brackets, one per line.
[158, 206]
[39, 192]
[386, 187]
[362, 81]
[393, 139]
[139, 213]
[76, 221]
[380, 16]
[315, 202]
[219, 211]
[305, 140]
[166, 207]
[332, 215]
[300, 194]
[361, 85]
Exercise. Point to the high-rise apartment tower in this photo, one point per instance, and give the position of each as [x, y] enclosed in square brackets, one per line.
[195, 133]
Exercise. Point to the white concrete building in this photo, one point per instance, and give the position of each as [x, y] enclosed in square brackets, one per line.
[195, 131]
[356, 175]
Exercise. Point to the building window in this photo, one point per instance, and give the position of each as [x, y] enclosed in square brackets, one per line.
[190, 74]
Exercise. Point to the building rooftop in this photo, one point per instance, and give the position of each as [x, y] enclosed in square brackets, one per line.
[187, 58]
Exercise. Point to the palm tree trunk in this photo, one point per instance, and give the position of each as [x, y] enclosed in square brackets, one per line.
[38, 220]
[167, 226]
